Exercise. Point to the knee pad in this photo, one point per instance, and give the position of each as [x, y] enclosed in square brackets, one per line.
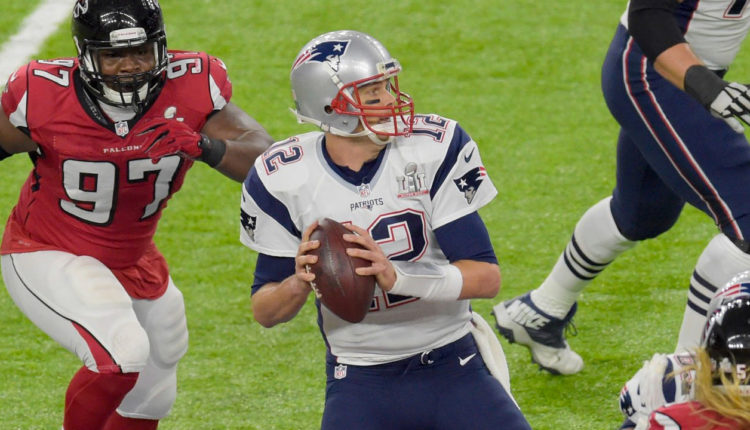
[153, 395]
[130, 346]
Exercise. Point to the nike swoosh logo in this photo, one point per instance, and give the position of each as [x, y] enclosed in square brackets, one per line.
[463, 361]
[468, 157]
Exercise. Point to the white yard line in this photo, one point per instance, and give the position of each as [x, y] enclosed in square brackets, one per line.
[35, 29]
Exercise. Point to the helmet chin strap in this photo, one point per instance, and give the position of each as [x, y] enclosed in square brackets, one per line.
[374, 137]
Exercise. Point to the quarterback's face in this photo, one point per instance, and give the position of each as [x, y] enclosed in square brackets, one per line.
[377, 95]
[126, 61]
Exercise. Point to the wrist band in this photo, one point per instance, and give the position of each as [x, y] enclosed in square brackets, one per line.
[212, 150]
[703, 84]
[435, 282]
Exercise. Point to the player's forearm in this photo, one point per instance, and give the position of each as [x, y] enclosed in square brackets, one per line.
[277, 303]
[674, 62]
[241, 153]
[244, 137]
[460, 280]
[481, 279]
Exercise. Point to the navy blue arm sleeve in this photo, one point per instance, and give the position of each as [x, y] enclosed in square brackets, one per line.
[4, 154]
[271, 269]
[466, 239]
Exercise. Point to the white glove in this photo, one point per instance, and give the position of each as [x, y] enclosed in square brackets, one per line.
[733, 101]
[650, 387]
[725, 100]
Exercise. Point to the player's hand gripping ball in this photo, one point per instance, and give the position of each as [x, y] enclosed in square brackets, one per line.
[336, 284]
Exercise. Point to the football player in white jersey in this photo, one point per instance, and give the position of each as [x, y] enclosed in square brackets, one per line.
[409, 188]
[680, 142]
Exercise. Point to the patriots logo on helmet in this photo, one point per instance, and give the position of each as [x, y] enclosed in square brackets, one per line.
[740, 289]
[469, 183]
[329, 52]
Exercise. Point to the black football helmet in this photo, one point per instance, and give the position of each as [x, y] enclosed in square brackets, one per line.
[726, 337]
[113, 24]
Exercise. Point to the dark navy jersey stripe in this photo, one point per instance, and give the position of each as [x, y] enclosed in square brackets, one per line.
[684, 14]
[459, 141]
[268, 203]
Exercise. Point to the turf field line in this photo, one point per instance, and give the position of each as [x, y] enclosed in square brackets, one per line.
[34, 30]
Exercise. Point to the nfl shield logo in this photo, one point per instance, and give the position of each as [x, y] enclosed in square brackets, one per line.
[121, 128]
[364, 190]
[339, 372]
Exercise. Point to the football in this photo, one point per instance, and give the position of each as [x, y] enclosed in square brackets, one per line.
[336, 284]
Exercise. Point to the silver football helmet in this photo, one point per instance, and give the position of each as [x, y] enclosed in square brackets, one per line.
[327, 75]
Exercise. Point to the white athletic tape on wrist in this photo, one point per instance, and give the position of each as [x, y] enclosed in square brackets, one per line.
[435, 282]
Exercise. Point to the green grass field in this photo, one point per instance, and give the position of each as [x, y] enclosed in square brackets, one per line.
[522, 77]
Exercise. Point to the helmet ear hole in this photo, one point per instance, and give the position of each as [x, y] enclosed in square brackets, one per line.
[328, 109]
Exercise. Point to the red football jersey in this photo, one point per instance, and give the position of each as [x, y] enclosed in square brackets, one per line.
[93, 191]
[689, 415]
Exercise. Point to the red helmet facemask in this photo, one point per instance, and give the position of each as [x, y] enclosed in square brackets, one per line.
[400, 113]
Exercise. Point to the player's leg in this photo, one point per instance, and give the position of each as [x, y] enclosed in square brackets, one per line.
[79, 303]
[154, 394]
[703, 161]
[728, 253]
[368, 398]
[467, 396]
[538, 319]
[719, 262]
[641, 207]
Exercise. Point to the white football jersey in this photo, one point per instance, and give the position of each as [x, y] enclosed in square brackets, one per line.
[419, 183]
[715, 29]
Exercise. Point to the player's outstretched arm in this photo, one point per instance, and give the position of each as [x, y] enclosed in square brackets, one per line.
[13, 140]
[244, 137]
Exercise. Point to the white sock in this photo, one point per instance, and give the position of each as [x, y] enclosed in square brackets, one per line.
[720, 261]
[598, 242]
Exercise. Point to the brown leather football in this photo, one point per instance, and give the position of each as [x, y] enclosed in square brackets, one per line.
[336, 284]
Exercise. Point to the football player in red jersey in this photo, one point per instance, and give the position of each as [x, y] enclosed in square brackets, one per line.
[112, 134]
[708, 388]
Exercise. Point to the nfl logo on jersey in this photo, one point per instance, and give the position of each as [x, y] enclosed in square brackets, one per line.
[121, 128]
[364, 190]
